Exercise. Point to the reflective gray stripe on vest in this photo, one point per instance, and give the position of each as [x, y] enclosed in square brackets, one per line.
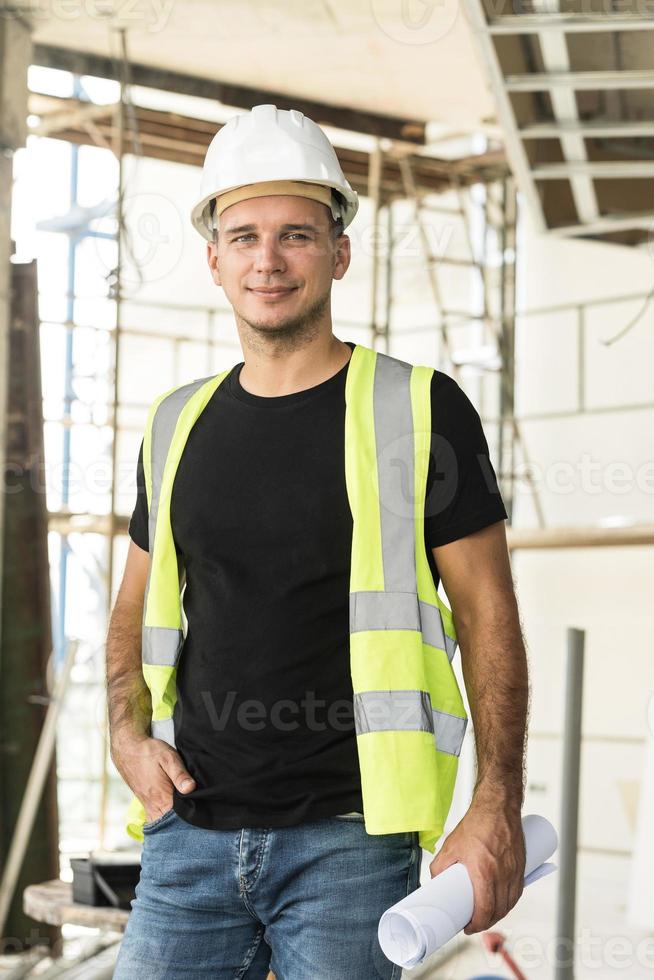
[393, 419]
[382, 711]
[161, 645]
[448, 732]
[384, 611]
[163, 729]
[163, 430]
[433, 631]
[399, 611]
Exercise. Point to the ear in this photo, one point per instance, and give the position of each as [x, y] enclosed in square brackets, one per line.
[342, 256]
[212, 261]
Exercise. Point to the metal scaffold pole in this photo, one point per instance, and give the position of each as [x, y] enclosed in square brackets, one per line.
[565, 924]
[374, 193]
[117, 289]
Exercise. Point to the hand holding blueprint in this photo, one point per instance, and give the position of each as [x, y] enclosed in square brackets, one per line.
[413, 929]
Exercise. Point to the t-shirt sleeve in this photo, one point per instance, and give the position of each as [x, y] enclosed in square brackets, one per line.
[463, 495]
[138, 525]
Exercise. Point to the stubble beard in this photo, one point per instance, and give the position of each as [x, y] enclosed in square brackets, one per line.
[290, 333]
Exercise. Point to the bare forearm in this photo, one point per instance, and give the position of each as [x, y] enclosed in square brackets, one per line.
[128, 696]
[495, 671]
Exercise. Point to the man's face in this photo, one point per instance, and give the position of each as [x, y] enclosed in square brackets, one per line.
[276, 259]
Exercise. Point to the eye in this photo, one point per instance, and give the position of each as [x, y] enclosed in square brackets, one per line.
[298, 234]
[240, 237]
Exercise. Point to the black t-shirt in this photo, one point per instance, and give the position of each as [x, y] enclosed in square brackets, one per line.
[260, 515]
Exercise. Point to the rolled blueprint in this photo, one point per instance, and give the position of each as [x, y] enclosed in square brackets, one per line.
[414, 928]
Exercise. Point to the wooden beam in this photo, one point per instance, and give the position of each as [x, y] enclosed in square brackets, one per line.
[240, 96]
[184, 139]
[580, 537]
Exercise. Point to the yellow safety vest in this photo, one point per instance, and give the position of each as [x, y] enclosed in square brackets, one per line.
[409, 715]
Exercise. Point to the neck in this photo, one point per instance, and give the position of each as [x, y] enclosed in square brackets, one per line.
[282, 372]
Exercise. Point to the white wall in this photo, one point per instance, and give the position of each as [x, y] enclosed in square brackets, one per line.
[591, 468]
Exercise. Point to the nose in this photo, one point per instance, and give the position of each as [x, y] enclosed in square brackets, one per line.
[268, 257]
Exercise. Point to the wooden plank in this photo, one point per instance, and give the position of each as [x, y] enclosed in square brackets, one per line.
[181, 139]
[52, 902]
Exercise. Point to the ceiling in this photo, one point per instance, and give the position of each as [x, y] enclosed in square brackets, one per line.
[404, 59]
[574, 89]
[570, 91]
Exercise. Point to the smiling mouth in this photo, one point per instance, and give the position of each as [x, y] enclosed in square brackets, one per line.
[274, 293]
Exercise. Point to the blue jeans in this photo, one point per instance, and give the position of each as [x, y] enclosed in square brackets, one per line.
[302, 901]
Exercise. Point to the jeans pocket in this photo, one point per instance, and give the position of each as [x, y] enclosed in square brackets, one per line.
[151, 824]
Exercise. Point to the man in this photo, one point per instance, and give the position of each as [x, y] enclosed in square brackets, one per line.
[276, 831]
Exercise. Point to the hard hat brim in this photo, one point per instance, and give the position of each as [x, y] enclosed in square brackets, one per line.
[200, 214]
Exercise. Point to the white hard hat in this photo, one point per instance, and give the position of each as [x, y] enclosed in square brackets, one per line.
[271, 144]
